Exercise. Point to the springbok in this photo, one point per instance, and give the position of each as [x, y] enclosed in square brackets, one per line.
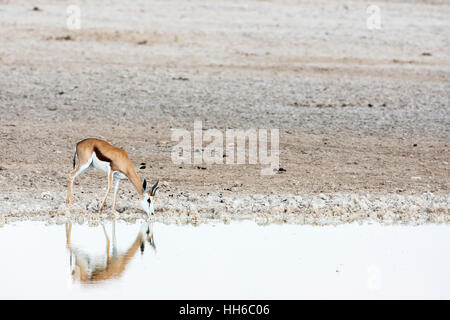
[90, 269]
[99, 154]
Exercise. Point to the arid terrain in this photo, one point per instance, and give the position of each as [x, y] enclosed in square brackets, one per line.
[364, 115]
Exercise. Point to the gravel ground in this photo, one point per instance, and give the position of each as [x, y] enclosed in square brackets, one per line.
[363, 114]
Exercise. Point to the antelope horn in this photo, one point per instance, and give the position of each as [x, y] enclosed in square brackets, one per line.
[154, 188]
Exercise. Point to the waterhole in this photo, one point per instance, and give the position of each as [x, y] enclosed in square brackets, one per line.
[239, 260]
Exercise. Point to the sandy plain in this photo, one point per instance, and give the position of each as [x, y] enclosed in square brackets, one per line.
[363, 114]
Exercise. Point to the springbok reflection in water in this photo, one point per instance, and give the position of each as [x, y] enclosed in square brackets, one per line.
[88, 269]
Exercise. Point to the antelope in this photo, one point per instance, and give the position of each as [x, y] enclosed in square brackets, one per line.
[99, 154]
[88, 269]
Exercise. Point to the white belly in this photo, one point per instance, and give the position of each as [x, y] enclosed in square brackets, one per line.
[100, 165]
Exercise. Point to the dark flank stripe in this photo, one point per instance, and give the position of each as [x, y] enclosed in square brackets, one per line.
[101, 156]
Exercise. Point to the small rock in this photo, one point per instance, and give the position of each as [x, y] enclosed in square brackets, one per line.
[323, 197]
[46, 196]
[65, 38]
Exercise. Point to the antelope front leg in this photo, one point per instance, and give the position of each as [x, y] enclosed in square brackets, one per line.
[110, 175]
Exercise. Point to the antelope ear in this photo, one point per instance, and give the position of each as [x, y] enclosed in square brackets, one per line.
[144, 185]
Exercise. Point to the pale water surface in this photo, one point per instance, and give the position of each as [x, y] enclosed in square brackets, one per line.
[240, 260]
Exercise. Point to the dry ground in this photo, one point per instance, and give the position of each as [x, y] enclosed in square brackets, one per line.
[362, 113]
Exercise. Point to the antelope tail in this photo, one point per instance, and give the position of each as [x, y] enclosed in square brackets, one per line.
[74, 158]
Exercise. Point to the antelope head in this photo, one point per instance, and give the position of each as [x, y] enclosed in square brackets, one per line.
[149, 197]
